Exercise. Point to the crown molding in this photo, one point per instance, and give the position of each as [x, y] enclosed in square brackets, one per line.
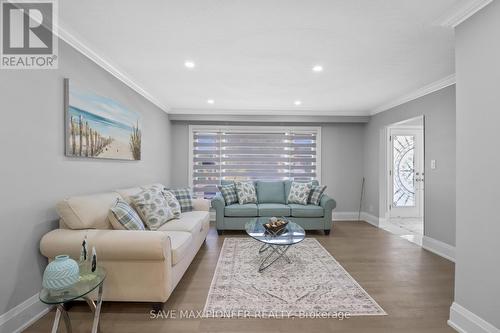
[107, 65]
[428, 89]
[266, 111]
[270, 118]
[461, 13]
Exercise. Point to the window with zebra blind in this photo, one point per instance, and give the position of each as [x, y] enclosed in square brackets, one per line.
[252, 153]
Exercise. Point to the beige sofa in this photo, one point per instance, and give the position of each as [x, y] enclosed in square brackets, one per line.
[142, 266]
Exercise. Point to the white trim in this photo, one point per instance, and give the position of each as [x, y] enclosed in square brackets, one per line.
[267, 111]
[23, 315]
[105, 64]
[252, 128]
[428, 89]
[369, 218]
[465, 321]
[461, 13]
[214, 118]
[440, 248]
[345, 216]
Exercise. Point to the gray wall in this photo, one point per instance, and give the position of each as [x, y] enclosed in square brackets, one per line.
[35, 174]
[439, 111]
[341, 153]
[477, 279]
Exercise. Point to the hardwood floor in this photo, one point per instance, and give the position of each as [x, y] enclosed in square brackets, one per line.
[414, 286]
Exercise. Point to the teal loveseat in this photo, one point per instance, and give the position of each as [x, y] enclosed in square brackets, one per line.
[272, 201]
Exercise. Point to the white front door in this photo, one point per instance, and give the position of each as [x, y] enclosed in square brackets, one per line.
[406, 172]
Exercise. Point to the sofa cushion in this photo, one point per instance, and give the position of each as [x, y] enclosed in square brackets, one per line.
[316, 194]
[229, 193]
[191, 222]
[299, 193]
[88, 211]
[173, 203]
[245, 210]
[126, 193]
[123, 217]
[246, 192]
[184, 197]
[288, 184]
[273, 209]
[270, 192]
[180, 244]
[153, 208]
[306, 210]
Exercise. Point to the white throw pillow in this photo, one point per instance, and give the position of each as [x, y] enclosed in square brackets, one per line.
[299, 193]
[246, 192]
[153, 208]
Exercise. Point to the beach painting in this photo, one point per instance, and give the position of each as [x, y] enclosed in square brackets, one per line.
[99, 127]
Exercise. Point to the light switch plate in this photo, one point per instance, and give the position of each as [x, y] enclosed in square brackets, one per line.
[433, 164]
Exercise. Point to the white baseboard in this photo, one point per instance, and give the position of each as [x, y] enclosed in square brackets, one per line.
[23, 315]
[440, 248]
[345, 216]
[465, 321]
[369, 218]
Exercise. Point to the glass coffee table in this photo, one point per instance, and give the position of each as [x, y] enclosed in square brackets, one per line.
[88, 282]
[276, 245]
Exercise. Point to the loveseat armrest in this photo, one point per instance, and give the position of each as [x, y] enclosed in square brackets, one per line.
[201, 204]
[328, 205]
[112, 245]
[219, 204]
[327, 202]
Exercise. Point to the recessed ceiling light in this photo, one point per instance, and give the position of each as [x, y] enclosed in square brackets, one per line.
[318, 68]
[297, 102]
[189, 64]
[210, 101]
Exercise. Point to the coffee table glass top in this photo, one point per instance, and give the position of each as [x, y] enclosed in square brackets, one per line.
[293, 233]
[88, 282]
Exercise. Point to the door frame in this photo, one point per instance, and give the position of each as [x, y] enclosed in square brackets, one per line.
[385, 161]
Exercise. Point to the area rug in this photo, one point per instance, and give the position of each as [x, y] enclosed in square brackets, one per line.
[314, 284]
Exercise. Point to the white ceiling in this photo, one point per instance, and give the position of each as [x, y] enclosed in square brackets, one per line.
[253, 56]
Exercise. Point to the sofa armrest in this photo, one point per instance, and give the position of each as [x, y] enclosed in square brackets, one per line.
[219, 204]
[201, 204]
[110, 244]
[328, 205]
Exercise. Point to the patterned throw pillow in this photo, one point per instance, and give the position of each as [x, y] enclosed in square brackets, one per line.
[172, 201]
[183, 195]
[124, 217]
[316, 194]
[299, 193]
[246, 192]
[229, 193]
[153, 208]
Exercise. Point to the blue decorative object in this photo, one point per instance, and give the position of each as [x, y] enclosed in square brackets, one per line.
[61, 273]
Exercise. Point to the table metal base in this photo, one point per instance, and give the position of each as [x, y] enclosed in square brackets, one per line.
[96, 310]
[277, 252]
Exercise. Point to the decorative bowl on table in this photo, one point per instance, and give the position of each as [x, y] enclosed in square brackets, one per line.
[276, 225]
[61, 273]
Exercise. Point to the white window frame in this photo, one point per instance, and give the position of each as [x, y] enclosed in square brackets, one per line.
[252, 128]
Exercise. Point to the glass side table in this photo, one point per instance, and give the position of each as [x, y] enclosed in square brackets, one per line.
[88, 282]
